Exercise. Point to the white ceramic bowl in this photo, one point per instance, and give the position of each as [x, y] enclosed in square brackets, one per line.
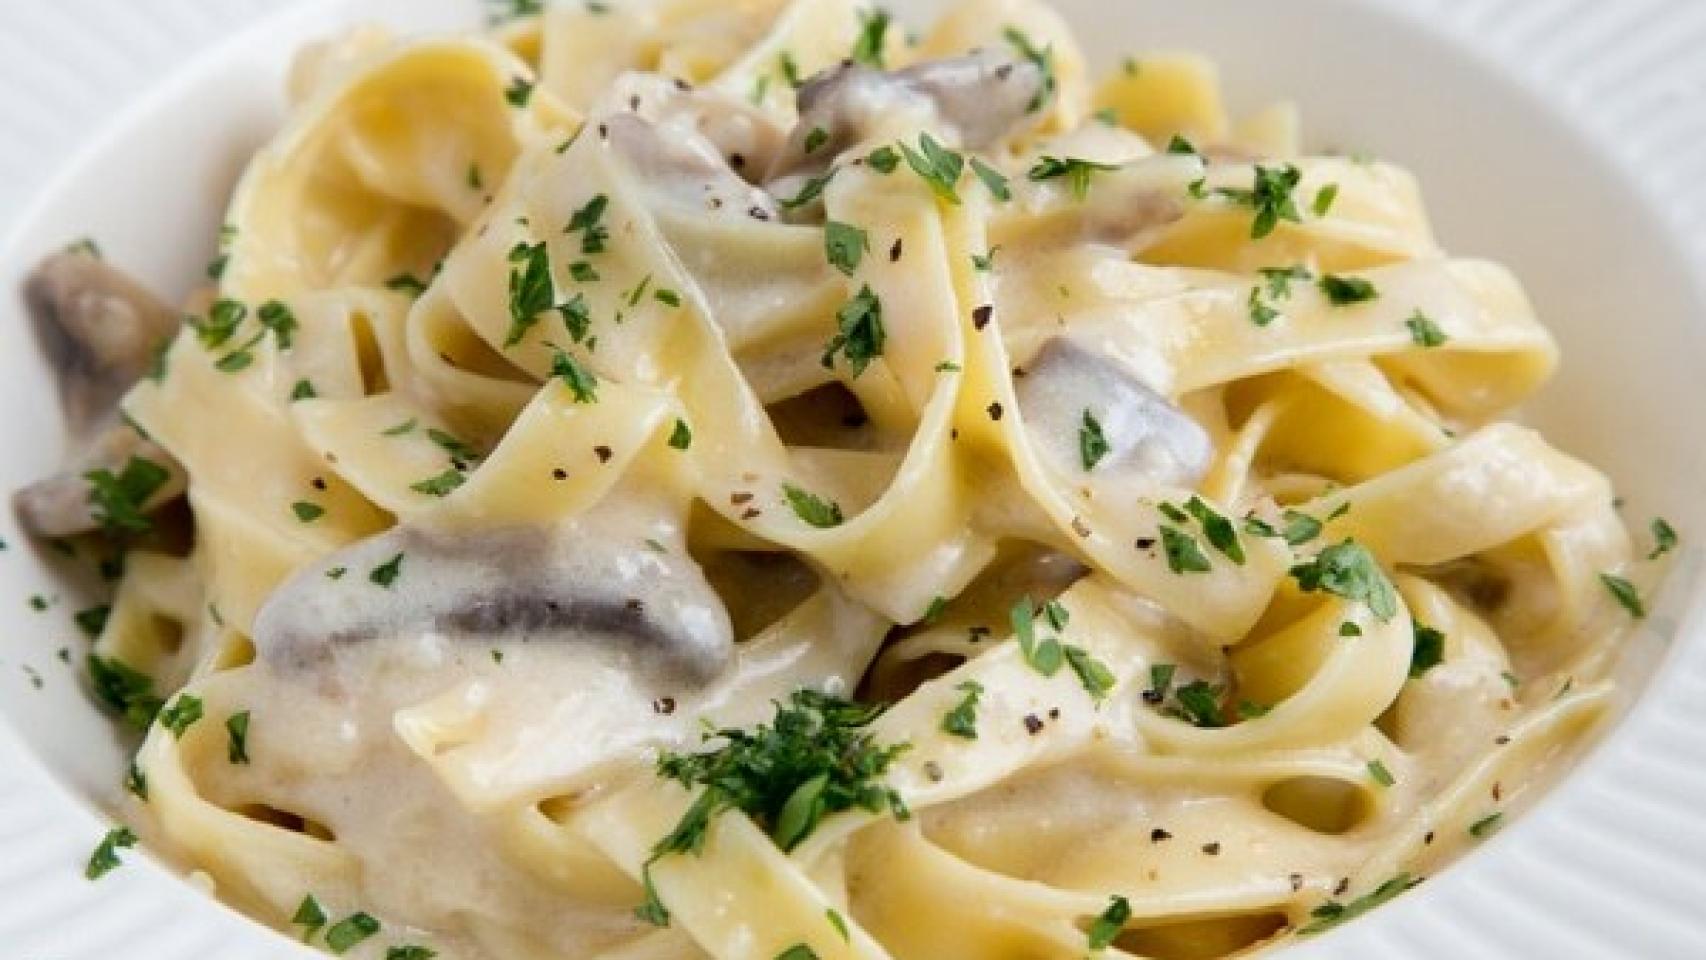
[1564, 138]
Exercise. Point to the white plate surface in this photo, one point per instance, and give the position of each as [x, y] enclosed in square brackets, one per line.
[1565, 137]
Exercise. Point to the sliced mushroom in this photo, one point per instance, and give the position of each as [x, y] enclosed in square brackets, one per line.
[578, 583]
[975, 101]
[1150, 441]
[747, 137]
[100, 330]
[685, 168]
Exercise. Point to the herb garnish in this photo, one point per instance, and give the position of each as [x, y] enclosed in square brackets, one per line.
[386, 573]
[1332, 913]
[883, 160]
[581, 381]
[181, 714]
[1625, 594]
[1324, 198]
[1486, 825]
[811, 191]
[105, 858]
[310, 916]
[1377, 770]
[681, 437]
[117, 499]
[1348, 570]
[1044, 656]
[349, 931]
[1221, 534]
[938, 166]
[873, 29]
[125, 689]
[1424, 331]
[1428, 650]
[844, 245]
[1109, 924]
[440, 485]
[307, 512]
[861, 335]
[1664, 538]
[1270, 196]
[815, 759]
[1184, 555]
[961, 721]
[531, 290]
[1092, 443]
[812, 508]
[588, 220]
[93, 620]
[237, 737]
[1043, 59]
[1076, 172]
[518, 92]
[993, 180]
[1346, 291]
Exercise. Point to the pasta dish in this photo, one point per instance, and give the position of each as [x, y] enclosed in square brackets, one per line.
[742, 480]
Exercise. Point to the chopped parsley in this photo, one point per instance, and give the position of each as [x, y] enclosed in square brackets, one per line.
[577, 318]
[1270, 196]
[1428, 649]
[816, 139]
[681, 437]
[1332, 913]
[883, 160]
[220, 325]
[117, 500]
[351, 930]
[1300, 528]
[1043, 58]
[790, 69]
[936, 165]
[1346, 291]
[136, 782]
[667, 297]
[1349, 629]
[303, 390]
[1198, 703]
[812, 508]
[518, 92]
[105, 858]
[386, 573]
[1486, 825]
[961, 721]
[839, 923]
[310, 916]
[1424, 331]
[1092, 444]
[861, 335]
[993, 180]
[1221, 534]
[1108, 925]
[440, 485]
[938, 606]
[398, 429]
[531, 290]
[1664, 538]
[93, 620]
[128, 691]
[985, 262]
[410, 952]
[1348, 570]
[1184, 554]
[1324, 198]
[1075, 172]
[873, 31]
[406, 283]
[1625, 593]
[1092, 673]
[181, 714]
[1276, 287]
[1044, 656]
[588, 221]
[798, 951]
[237, 737]
[812, 189]
[844, 245]
[1380, 774]
[816, 758]
[581, 381]
[307, 512]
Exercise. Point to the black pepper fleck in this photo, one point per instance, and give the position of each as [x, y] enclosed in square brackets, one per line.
[980, 316]
[1157, 835]
[1033, 725]
[994, 411]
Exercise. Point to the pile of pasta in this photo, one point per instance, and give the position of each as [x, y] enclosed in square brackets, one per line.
[1297, 681]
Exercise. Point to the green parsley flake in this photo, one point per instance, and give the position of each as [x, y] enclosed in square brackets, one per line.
[1045, 656]
[1077, 173]
[1092, 444]
[386, 573]
[681, 437]
[1486, 825]
[1625, 593]
[883, 160]
[307, 512]
[117, 500]
[1324, 198]
[1043, 58]
[1092, 673]
[1221, 534]
[1198, 703]
[844, 245]
[1424, 331]
[518, 92]
[581, 381]
[1300, 528]
[984, 263]
[861, 336]
[93, 620]
[588, 221]
[993, 180]
[938, 166]
[136, 782]
[1349, 571]
[128, 691]
[1346, 291]
[105, 859]
[1381, 775]
[873, 31]
[1184, 555]
[441, 485]
[1427, 650]
[1270, 196]
[237, 737]
[812, 508]
[303, 390]
[812, 189]
[181, 714]
[1332, 913]
[531, 291]
[410, 952]
[406, 283]
[1108, 925]
[351, 930]
[798, 951]
[816, 139]
[1665, 538]
[932, 613]
[839, 923]
[961, 721]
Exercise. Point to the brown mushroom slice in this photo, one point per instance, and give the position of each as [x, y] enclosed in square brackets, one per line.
[575, 584]
[747, 137]
[1150, 442]
[683, 168]
[974, 101]
[99, 328]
